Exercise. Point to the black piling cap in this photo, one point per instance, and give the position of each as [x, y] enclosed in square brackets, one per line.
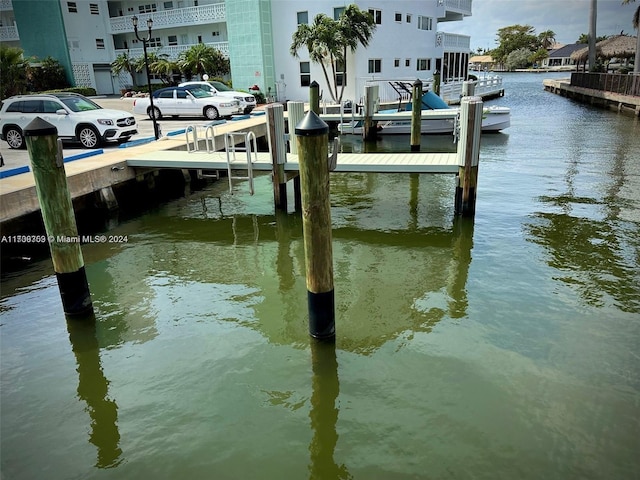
[314, 84]
[311, 126]
[39, 128]
[417, 82]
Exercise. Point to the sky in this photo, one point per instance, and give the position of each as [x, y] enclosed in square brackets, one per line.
[567, 18]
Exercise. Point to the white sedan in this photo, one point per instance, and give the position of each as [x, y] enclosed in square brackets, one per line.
[188, 102]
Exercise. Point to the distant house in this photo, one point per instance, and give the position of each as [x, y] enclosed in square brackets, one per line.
[560, 58]
[481, 63]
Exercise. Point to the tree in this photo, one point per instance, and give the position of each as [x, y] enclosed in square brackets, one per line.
[584, 38]
[328, 42]
[547, 38]
[356, 28]
[48, 75]
[166, 69]
[515, 37]
[636, 24]
[13, 67]
[538, 56]
[124, 63]
[518, 58]
[201, 59]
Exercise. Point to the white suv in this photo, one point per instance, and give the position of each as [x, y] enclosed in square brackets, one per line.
[247, 101]
[76, 117]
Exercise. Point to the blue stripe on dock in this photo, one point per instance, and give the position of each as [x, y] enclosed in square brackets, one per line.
[14, 171]
[80, 156]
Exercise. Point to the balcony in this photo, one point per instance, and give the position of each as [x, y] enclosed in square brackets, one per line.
[179, 17]
[453, 10]
[174, 50]
[6, 6]
[9, 34]
[453, 42]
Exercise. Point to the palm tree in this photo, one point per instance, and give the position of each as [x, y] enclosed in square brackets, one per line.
[636, 25]
[320, 40]
[201, 59]
[125, 63]
[356, 28]
[328, 41]
[163, 67]
[13, 67]
[547, 38]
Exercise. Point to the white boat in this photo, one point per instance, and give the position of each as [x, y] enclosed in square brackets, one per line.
[494, 119]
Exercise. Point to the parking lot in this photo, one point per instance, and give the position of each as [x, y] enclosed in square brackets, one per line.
[19, 158]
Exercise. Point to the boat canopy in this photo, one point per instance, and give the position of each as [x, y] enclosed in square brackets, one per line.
[430, 101]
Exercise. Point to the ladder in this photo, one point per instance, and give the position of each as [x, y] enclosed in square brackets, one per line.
[250, 147]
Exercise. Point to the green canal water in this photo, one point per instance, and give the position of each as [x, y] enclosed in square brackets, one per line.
[505, 347]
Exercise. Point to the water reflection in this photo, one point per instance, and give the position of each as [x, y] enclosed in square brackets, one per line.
[93, 388]
[324, 413]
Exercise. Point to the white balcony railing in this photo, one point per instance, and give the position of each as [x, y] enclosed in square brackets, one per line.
[177, 17]
[453, 41]
[9, 34]
[173, 51]
[6, 5]
[460, 6]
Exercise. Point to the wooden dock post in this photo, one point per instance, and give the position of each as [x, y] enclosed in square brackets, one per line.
[468, 155]
[295, 112]
[416, 115]
[436, 82]
[314, 97]
[370, 106]
[312, 135]
[277, 147]
[58, 216]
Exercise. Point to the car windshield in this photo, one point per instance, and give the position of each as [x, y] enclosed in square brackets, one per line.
[199, 92]
[80, 104]
[221, 86]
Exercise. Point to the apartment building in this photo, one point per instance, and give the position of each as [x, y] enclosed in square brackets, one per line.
[87, 35]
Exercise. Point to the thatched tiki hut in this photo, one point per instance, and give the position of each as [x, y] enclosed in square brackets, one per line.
[617, 46]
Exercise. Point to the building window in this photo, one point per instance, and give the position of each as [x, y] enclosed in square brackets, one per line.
[94, 9]
[168, 5]
[396, 62]
[72, 7]
[341, 77]
[172, 40]
[425, 23]
[305, 74]
[424, 64]
[150, 7]
[215, 34]
[100, 43]
[407, 62]
[408, 18]
[377, 15]
[375, 65]
[303, 18]
[337, 11]
[154, 42]
[398, 17]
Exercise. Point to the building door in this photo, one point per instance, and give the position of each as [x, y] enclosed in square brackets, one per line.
[104, 81]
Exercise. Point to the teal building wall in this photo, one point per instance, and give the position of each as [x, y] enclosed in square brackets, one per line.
[249, 28]
[42, 33]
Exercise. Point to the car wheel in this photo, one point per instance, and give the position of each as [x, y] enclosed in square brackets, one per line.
[154, 113]
[88, 137]
[211, 113]
[14, 137]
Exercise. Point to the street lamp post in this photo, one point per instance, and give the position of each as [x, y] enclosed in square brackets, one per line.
[134, 20]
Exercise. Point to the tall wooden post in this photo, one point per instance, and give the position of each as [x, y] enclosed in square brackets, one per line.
[295, 112]
[314, 97]
[416, 115]
[436, 82]
[468, 155]
[275, 137]
[370, 103]
[59, 219]
[312, 135]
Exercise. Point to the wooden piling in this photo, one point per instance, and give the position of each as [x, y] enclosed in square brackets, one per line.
[295, 112]
[58, 216]
[370, 127]
[416, 115]
[314, 97]
[436, 82]
[468, 155]
[275, 137]
[312, 135]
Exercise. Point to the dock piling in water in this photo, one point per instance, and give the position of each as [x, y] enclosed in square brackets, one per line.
[312, 136]
[58, 216]
[416, 115]
[370, 107]
[277, 146]
[468, 155]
